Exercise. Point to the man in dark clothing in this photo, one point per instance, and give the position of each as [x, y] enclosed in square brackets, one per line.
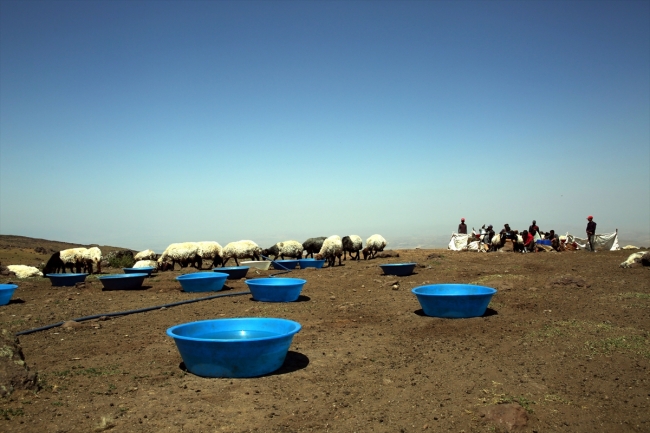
[591, 231]
[462, 227]
[533, 229]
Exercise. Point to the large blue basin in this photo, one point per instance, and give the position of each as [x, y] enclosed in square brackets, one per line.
[202, 281]
[61, 280]
[6, 292]
[311, 263]
[238, 347]
[143, 270]
[454, 300]
[283, 265]
[398, 269]
[234, 272]
[276, 289]
[122, 281]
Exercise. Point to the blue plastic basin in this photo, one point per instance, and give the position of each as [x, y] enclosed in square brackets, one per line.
[311, 263]
[202, 281]
[454, 300]
[240, 347]
[284, 264]
[6, 292]
[234, 272]
[122, 281]
[144, 270]
[544, 242]
[276, 289]
[66, 279]
[399, 269]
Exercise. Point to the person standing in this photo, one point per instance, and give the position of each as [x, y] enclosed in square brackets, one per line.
[591, 232]
[462, 227]
[534, 228]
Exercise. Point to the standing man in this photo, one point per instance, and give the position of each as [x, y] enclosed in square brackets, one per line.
[462, 227]
[591, 231]
[533, 229]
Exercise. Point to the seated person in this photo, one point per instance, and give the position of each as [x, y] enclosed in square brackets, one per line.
[529, 242]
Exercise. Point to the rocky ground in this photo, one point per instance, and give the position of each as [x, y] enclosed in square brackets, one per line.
[564, 346]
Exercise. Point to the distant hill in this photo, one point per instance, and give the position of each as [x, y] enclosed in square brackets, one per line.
[11, 241]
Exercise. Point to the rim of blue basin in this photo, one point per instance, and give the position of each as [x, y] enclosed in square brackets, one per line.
[6, 292]
[144, 269]
[398, 269]
[66, 279]
[296, 327]
[276, 289]
[199, 275]
[122, 281]
[251, 346]
[234, 272]
[454, 300]
[121, 276]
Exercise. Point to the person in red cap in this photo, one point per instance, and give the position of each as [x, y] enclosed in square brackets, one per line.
[591, 231]
[462, 227]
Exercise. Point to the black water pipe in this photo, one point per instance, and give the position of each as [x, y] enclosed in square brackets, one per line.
[124, 313]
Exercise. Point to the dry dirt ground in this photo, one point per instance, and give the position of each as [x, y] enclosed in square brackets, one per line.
[563, 347]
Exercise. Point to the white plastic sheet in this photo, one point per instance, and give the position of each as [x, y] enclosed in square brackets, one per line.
[603, 241]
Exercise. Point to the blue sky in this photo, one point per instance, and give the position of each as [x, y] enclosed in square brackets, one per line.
[139, 124]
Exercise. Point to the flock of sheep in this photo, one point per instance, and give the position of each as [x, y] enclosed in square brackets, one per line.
[195, 253]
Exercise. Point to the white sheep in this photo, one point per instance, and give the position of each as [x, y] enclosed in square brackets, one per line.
[146, 264]
[374, 244]
[145, 255]
[640, 257]
[23, 271]
[92, 255]
[73, 257]
[241, 250]
[291, 249]
[212, 251]
[183, 253]
[331, 249]
[352, 244]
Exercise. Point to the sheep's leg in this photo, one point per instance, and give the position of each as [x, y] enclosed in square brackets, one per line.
[223, 262]
[236, 261]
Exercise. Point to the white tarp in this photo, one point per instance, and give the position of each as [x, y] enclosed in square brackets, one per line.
[458, 242]
[604, 241]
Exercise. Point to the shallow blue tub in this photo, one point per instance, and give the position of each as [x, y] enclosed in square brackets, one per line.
[234, 272]
[6, 292]
[276, 289]
[283, 265]
[239, 347]
[544, 242]
[122, 281]
[64, 280]
[454, 300]
[398, 269]
[202, 281]
[311, 263]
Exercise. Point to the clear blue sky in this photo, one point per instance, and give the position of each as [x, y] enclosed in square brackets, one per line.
[139, 123]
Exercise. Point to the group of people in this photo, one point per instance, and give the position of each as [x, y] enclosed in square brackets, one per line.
[529, 236]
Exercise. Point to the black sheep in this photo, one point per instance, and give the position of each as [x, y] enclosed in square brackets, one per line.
[55, 265]
[313, 245]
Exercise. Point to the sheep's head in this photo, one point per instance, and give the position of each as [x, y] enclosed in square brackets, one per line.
[366, 253]
[319, 256]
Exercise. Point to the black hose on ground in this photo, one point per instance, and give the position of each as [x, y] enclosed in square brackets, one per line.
[124, 313]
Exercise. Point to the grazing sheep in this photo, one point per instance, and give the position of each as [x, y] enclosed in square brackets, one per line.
[183, 253]
[374, 244]
[640, 257]
[146, 264]
[23, 271]
[90, 256]
[352, 244]
[209, 250]
[313, 245]
[73, 257]
[55, 265]
[145, 255]
[241, 250]
[291, 249]
[331, 249]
